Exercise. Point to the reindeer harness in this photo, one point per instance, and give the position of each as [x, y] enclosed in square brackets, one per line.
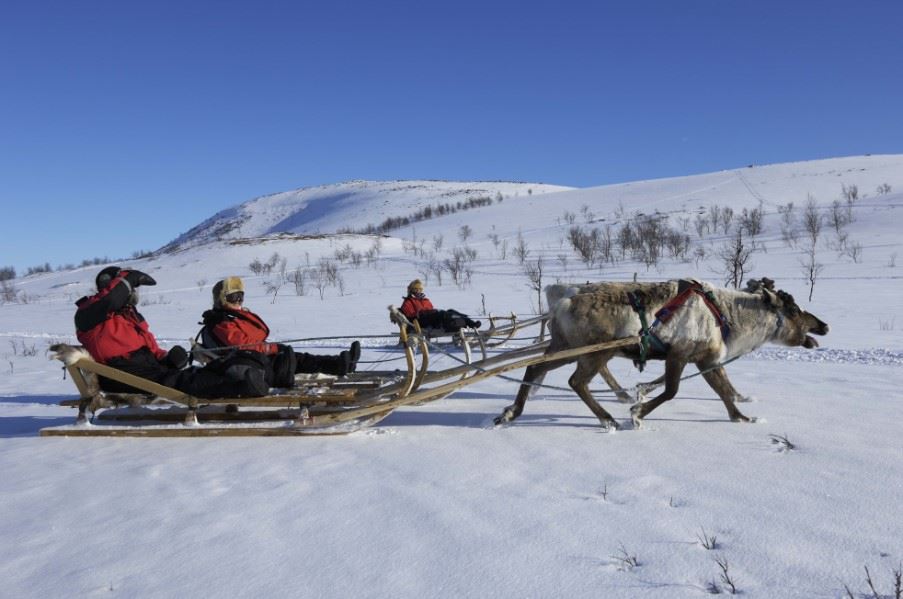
[648, 338]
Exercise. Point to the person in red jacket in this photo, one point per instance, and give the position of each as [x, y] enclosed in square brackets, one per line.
[110, 327]
[231, 325]
[417, 306]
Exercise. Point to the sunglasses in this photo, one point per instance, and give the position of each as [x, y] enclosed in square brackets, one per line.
[236, 298]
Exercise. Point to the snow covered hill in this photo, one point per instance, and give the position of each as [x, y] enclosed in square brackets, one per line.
[436, 501]
[351, 205]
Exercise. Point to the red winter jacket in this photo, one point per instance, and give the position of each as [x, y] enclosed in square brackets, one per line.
[413, 306]
[243, 328]
[110, 328]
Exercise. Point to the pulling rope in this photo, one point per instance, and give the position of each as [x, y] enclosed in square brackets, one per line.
[633, 391]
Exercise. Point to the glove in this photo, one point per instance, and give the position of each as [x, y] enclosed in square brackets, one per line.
[137, 278]
[177, 357]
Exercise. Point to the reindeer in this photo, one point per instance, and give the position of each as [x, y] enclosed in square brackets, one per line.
[694, 323]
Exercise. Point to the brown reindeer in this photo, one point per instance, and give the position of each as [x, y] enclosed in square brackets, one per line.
[707, 326]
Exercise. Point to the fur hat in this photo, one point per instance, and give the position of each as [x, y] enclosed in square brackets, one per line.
[104, 277]
[415, 286]
[224, 288]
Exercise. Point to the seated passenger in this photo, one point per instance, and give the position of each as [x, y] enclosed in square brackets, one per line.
[230, 324]
[113, 331]
[417, 306]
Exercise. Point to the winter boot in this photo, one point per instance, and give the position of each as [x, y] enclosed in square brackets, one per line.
[338, 365]
[354, 355]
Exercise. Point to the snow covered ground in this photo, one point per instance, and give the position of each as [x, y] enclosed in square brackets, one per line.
[437, 502]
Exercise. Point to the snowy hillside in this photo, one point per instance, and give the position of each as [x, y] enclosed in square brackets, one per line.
[436, 501]
[332, 208]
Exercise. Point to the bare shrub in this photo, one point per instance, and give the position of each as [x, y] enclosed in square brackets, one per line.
[851, 193]
[626, 560]
[318, 279]
[298, 278]
[714, 215]
[436, 267]
[896, 591]
[727, 217]
[678, 244]
[708, 542]
[520, 250]
[273, 287]
[883, 189]
[788, 223]
[853, 251]
[811, 269]
[839, 216]
[458, 266]
[701, 223]
[464, 233]
[725, 575]
[533, 272]
[812, 220]
[585, 243]
[7, 273]
[751, 221]
[343, 253]
[734, 256]
[503, 250]
[8, 292]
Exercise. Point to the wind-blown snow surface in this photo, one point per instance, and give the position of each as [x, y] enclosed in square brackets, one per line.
[435, 501]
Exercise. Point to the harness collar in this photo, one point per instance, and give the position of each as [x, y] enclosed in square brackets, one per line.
[685, 288]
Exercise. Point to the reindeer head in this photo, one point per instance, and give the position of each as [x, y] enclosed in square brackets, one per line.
[797, 324]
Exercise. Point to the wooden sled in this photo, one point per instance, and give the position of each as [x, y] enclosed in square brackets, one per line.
[322, 406]
[311, 410]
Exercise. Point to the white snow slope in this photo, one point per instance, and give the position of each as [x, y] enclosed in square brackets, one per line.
[437, 502]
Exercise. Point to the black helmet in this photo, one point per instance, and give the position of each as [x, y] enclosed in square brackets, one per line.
[105, 276]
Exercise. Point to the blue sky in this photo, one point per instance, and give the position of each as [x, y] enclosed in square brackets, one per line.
[123, 124]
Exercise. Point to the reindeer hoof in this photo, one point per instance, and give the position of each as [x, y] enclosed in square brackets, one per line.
[505, 417]
[610, 426]
[636, 414]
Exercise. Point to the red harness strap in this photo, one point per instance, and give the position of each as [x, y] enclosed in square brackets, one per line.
[668, 310]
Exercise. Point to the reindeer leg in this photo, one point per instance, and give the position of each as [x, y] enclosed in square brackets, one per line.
[717, 380]
[613, 384]
[533, 374]
[674, 367]
[587, 367]
[643, 389]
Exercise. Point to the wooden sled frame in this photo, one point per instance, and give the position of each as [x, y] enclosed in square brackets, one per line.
[301, 409]
[315, 414]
